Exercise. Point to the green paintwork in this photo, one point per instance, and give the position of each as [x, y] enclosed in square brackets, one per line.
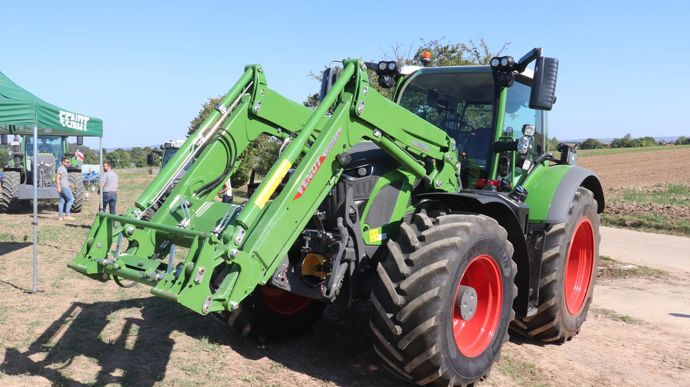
[379, 235]
[498, 128]
[258, 234]
[23, 111]
[249, 242]
[541, 185]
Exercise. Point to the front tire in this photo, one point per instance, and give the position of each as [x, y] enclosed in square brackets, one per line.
[76, 181]
[422, 328]
[568, 274]
[10, 191]
[271, 313]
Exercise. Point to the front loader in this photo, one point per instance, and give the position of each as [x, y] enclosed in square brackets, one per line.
[442, 208]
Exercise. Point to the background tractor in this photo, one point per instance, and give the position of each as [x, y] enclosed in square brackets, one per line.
[17, 182]
[164, 153]
[442, 208]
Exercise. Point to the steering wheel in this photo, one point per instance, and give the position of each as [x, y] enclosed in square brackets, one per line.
[465, 124]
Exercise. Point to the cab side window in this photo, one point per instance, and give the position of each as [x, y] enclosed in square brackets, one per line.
[518, 114]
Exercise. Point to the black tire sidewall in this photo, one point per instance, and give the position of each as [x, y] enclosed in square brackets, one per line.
[473, 368]
[588, 210]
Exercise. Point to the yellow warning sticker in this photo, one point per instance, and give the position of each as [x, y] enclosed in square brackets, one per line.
[375, 234]
[273, 183]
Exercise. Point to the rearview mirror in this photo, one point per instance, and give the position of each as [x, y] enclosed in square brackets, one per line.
[150, 159]
[328, 78]
[80, 140]
[3, 139]
[543, 94]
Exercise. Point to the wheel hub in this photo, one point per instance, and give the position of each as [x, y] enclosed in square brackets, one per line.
[466, 302]
[476, 310]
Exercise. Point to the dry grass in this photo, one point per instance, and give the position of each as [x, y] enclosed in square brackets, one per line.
[611, 269]
[77, 331]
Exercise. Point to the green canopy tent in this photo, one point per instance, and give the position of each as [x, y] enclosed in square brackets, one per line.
[23, 113]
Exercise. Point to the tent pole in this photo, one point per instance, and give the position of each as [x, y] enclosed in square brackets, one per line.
[100, 173]
[35, 222]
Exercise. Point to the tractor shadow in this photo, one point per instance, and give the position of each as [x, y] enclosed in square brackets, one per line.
[338, 350]
[9, 247]
[84, 226]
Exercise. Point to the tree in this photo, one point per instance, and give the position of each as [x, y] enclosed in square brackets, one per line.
[90, 155]
[138, 156]
[552, 145]
[643, 142]
[623, 142]
[312, 101]
[628, 142]
[442, 52]
[591, 143]
[682, 140]
[261, 154]
[206, 109]
[4, 156]
[119, 158]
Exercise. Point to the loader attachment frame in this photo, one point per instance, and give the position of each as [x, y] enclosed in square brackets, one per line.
[207, 255]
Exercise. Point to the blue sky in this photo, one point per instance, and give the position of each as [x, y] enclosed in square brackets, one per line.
[146, 67]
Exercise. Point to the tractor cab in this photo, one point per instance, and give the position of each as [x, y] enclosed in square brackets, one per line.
[489, 111]
[165, 152]
[460, 100]
[54, 146]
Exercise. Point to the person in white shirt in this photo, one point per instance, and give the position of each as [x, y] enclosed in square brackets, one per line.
[226, 191]
[109, 185]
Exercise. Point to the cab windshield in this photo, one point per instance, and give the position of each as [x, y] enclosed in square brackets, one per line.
[462, 104]
[46, 145]
[168, 153]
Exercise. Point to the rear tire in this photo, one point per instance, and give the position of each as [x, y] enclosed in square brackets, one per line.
[417, 325]
[10, 191]
[568, 274]
[76, 182]
[274, 314]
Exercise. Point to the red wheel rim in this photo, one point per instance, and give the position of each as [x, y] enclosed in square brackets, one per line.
[282, 302]
[473, 336]
[578, 267]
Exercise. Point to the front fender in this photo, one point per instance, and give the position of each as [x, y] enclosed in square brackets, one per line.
[552, 188]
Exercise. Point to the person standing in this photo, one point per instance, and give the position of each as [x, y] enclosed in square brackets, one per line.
[226, 191]
[64, 191]
[109, 185]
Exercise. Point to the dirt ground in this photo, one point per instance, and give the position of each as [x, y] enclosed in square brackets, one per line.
[645, 189]
[640, 169]
[77, 331]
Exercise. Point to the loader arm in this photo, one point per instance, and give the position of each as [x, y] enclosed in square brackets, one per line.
[207, 255]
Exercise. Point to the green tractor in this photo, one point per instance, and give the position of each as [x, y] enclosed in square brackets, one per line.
[17, 182]
[443, 209]
[164, 153]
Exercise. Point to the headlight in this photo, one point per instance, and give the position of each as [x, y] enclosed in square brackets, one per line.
[504, 61]
[495, 62]
[523, 145]
[528, 130]
[382, 65]
[392, 66]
